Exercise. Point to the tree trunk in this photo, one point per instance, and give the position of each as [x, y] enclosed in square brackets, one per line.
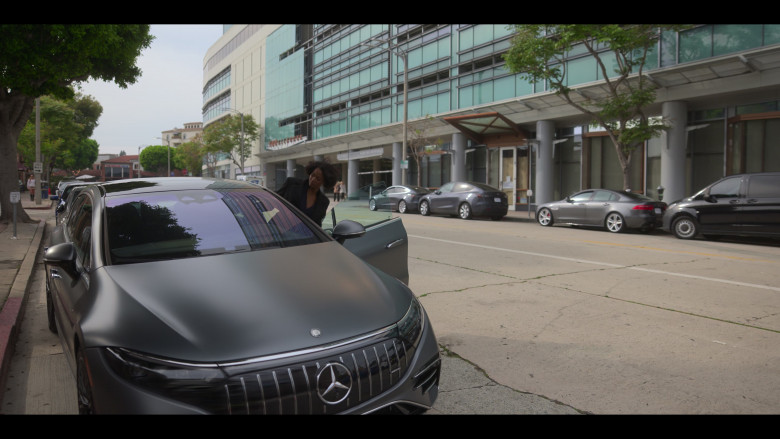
[14, 113]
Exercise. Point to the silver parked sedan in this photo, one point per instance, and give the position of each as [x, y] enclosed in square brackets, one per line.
[616, 211]
[190, 295]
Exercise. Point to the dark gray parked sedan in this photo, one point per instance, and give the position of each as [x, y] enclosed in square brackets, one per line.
[398, 197]
[616, 211]
[466, 199]
[190, 295]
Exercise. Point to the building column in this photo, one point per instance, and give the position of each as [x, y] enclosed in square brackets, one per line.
[290, 168]
[458, 157]
[673, 145]
[376, 167]
[545, 133]
[352, 178]
[397, 155]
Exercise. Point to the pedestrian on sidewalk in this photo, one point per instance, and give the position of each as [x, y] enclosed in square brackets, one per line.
[31, 187]
[342, 191]
[336, 189]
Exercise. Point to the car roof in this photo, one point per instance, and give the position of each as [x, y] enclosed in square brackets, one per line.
[165, 184]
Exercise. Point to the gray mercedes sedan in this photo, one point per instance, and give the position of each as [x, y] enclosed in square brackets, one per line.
[191, 295]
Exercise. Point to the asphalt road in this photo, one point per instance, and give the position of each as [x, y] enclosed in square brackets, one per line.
[535, 320]
[605, 323]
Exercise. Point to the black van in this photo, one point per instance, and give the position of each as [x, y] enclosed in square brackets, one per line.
[742, 205]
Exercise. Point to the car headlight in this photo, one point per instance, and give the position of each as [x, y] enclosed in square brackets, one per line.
[410, 327]
[195, 384]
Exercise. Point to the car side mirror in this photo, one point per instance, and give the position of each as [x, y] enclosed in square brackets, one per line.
[62, 256]
[710, 198]
[348, 229]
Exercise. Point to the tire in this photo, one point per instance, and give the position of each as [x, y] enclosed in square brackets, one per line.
[372, 204]
[50, 310]
[545, 217]
[424, 210]
[83, 388]
[402, 206]
[685, 227]
[464, 211]
[615, 223]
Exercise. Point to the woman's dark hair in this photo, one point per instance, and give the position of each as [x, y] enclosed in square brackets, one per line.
[329, 173]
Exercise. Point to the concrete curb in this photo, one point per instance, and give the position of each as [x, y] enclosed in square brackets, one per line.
[12, 310]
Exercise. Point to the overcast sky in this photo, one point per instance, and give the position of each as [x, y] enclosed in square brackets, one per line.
[167, 95]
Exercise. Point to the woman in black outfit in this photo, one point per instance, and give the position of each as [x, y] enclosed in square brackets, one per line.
[306, 194]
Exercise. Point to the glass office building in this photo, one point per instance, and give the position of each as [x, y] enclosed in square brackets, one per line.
[337, 92]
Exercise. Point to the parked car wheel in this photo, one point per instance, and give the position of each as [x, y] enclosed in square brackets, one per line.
[372, 205]
[464, 211]
[424, 208]
[402, 206]
[545, 217]
[615, 222]
[685, 227]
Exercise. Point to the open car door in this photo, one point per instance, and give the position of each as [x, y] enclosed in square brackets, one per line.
[385, 244]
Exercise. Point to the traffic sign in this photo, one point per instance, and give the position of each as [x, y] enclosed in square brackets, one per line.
[15, 197]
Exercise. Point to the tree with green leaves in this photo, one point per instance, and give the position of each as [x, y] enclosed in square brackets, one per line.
[65, 128]
[232, 135]
[156, 158]
[47, 59]
[539, 52]
[189, 156]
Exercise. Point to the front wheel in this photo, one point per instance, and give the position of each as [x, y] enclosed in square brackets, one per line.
[685, 227]
[464, 211]
[402, 206]
[545, 217]
[424, 208]
[372, 204]
[615, 223]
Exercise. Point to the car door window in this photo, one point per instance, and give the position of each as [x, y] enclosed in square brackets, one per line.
[764, 186]
[446, 188]
[728, 188]
[581, 197]
[463, 187]
[80, 229]
[603, 196]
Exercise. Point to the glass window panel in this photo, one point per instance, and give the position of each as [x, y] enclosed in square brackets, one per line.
[414, 57]
[443, 102]
[581, 70]
[484, 93]
[466, 38]
[696, 44]
[483, 33]
[523, 86]
[429, 105]
[504, 88]
[430, 53]
[728, 38]
[771, 34]
[443, 46]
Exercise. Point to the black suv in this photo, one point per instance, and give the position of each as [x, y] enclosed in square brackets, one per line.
[742, 205]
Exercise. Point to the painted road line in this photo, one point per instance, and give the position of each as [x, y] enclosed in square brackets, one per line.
[602, 264]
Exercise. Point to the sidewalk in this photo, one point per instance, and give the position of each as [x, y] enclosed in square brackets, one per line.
[17, 261]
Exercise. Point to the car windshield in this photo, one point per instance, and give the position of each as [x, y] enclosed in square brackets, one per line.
[180, 224]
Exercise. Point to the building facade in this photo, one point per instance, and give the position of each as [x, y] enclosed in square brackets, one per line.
[338, 92]
[177, 136]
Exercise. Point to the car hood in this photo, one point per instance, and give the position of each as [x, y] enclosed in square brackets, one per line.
[242, 305]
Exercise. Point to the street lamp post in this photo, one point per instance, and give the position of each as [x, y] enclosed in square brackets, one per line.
[404, 57]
